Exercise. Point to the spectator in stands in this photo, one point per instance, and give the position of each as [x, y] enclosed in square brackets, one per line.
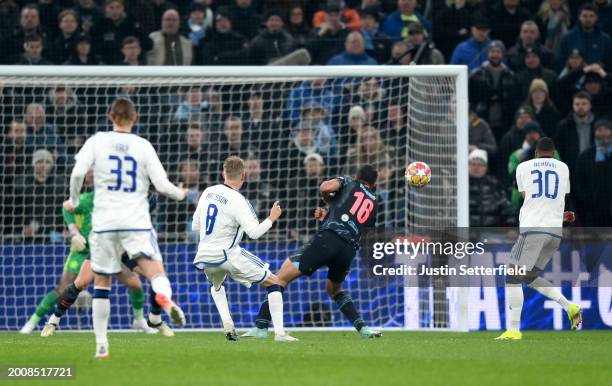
[377, 44]
[193, 105]
[82, 54]
[303, 141]
[533, 132]
[223, 46]
[191, 142]
[480, 135]
[132, 52]
[534, 69]
[369, 149]
[452, 26]
[177, 215]
[33, 51]
[594, 44]
[299, 28]
[425, 51]
[546, 113]
[68, 116]
[302, 194]
[198, 25]
[12, 46]
[575, 133]
[396, 24]
[597, 83]
[325, 137]
[108, 34]
[604, 11]
[489, 204]
[331, 36]
[395, 132]
[256, 187]
[370, 95]
[529, 38]
[307, 92]
[473, 51]
[512, 140]
[493, 90]
[355, 122]
[593, 179]
[273, 42]
[554, 20]
[349, 16]
[506, 19]
[16, 153]
[232, 141]
[89, 14]
[570, 81]
[245, 19]
[9, 15]
[169, 47]
[39, 197]
[354, 52]
[401, 53]
[63, 45]
[40, 134]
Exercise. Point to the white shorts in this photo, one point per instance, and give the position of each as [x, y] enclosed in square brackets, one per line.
[106, 249]
[239, 264]
[533, 249]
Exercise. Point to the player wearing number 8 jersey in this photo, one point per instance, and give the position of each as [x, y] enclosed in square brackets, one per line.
[123, 164]
[352, 209]
[543, 183]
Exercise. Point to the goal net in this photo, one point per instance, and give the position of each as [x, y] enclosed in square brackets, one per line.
[294, 127]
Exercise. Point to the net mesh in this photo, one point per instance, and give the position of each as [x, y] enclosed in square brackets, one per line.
[292, 132]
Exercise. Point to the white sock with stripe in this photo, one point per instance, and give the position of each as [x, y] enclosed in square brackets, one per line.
[220, 299]
[547, 289]
[100, 314]
[514, 299]
[275, 302]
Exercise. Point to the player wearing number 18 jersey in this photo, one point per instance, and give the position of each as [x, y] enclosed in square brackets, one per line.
[543, 183]
[352, 209]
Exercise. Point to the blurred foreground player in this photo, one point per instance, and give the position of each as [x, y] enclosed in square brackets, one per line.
[352, 208]
[543, 183]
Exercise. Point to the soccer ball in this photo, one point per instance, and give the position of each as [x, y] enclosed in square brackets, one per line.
[417, 174]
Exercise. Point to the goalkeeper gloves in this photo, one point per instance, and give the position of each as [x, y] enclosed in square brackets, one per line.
[77, 242]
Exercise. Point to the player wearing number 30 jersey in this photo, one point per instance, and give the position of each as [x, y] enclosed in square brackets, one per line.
[352, 208]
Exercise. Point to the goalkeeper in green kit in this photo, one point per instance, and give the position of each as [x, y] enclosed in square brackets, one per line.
[77, 275]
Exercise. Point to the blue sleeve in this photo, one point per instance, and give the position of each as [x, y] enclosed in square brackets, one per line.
[456, 58]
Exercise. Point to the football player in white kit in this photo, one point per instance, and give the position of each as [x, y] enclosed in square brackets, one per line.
[123, 163]
[223, 215]
[543, 183]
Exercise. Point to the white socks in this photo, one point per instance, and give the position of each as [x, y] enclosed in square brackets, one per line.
[275, 302]
[514, 298]
[547, 289]
[221, 302]
[53, 320]
[161, 285]
[101, 313]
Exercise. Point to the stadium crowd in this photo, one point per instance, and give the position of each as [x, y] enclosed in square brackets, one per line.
[537, 68]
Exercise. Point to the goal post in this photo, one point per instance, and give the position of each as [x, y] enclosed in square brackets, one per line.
[294, 126]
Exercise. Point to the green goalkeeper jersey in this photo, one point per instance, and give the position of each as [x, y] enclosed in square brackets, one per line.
[82, 214]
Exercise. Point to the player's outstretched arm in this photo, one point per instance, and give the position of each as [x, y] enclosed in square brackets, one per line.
[248, 220]
[159, 178]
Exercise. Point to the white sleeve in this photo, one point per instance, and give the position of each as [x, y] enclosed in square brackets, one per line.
[84, 159]
[519, 178]
[159, 178]
[567, 179]
[247, 219]
[195, 224]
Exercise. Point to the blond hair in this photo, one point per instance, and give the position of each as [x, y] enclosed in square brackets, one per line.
[123, 112]
[233, 168]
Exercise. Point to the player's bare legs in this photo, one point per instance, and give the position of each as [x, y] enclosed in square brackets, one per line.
[137, 298]
[101, 313]
[154, 271]
[273, 285]
[347, 307]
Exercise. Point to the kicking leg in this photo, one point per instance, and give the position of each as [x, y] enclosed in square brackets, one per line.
[547, 289]
[154, 320]
[347, 307]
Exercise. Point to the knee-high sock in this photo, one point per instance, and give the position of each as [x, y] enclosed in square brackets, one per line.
[547, 289]
[101, 313]
[161, 285]
[275, 304]
[347, 307]
[155, 310]
[263, 316]
[69, 296]
[221, 302]
[514, 298]
[137, 298]
[46, 305]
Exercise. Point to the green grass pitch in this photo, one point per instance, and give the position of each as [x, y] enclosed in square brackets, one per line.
[322, 358]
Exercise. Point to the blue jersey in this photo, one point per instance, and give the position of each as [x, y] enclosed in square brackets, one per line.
[351, 210]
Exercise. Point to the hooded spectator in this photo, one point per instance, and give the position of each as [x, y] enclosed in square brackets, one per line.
[473, 51]
[452, 26]
[425, 51]
[82, 54]
[224, 46]
[273, 42]
[570, 81]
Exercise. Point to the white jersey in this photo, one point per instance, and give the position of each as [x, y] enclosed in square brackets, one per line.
[223, 215]
[123, 164]
[545, 182]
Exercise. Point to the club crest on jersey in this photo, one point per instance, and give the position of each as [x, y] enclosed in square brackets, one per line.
[345, 217]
